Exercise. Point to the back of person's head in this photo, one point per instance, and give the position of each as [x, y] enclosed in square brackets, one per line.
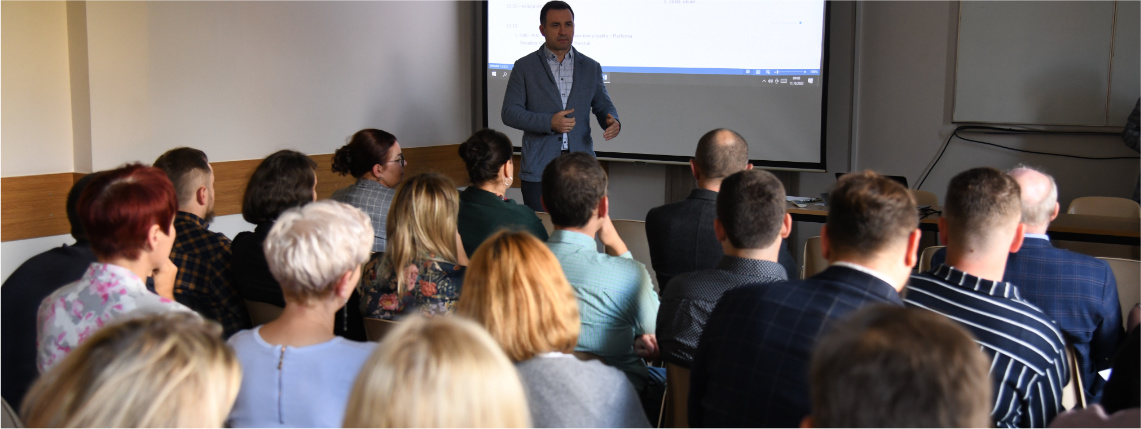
[366, 148]
[721, 152]
[438, 372]
[160, 370]
[553, 5]
[750, 207]
[422, 220]
[980, 202]
[283, 180]
[187, 168]
[868, 213]
[484, 153]
[310, 247]
[1039, 194]
[73, 217]
[887, 366]
[573, 184]
[516, 289]
[119, 207]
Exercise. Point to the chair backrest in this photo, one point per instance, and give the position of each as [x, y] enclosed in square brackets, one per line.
[925, 258]
[675, 407]
[9, 418]
[1127, 272]
[1105, 206]
[925, 197]
[1074, 393]
[633, 233]
[262, 313]
[376, 329]
[814, 261]
[546, 218]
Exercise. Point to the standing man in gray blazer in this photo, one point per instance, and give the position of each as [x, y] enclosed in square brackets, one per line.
[546, 91]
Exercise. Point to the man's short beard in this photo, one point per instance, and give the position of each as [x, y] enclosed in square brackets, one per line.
[209, 216]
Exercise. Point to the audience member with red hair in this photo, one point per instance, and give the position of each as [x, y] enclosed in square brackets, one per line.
[128, 214]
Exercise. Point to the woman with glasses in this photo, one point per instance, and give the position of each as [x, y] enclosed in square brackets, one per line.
[374, 158]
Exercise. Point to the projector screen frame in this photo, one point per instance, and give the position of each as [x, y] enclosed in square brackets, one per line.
[815, 167]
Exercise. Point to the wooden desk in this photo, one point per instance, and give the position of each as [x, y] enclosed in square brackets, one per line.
[1070, 227]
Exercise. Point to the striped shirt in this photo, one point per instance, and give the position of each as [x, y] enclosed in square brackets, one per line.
[1028, 357]
[564, 76]
[616, 301]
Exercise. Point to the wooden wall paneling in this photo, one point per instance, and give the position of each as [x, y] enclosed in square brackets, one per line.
[34, 206]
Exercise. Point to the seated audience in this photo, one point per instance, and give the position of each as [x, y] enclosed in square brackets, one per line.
[437, 372]
[616, 299]
[202, 256]
[517, 291]
[980, 226]
[484, 206]
[26, 288]
[422, 268]
[128, 214]
[680, 234]
[159, 370]
[374, 158]
[751, 365]
[751, 223]
[887, 366]
[298, 373]
[1078, 292]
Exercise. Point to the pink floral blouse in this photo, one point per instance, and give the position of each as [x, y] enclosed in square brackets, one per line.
[105, 293]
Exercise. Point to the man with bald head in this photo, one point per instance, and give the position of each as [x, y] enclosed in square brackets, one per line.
[680, 234]
[1079, 292]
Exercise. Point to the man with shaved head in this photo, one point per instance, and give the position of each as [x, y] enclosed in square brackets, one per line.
[1079, 292]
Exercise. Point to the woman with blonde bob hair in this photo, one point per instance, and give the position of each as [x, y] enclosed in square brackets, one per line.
[516, 289]
[437, 372]
[160, 370]
[422, 267]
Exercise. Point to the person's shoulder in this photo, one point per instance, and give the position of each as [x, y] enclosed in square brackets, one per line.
[585, 58]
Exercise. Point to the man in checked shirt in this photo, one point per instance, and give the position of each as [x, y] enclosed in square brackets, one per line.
[202, 256]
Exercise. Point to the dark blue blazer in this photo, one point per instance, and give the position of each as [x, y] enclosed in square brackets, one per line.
[751, 365]
[1079, 292]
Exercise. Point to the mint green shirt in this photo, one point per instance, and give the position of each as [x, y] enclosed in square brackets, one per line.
[616, 301]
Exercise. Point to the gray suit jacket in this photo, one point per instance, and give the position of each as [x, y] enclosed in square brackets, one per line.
[532, 98]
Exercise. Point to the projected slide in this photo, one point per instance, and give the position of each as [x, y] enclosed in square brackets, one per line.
[677, 68]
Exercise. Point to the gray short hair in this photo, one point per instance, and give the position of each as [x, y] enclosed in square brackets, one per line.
[309, 247]
[1037, 212]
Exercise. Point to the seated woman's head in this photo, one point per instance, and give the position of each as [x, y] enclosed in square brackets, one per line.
[316, 250]
[160, 370]
[516, 289]
[487, 155]
[438, 372]
[283, 180]
[422, 222]
[372, 154]
[128, 213]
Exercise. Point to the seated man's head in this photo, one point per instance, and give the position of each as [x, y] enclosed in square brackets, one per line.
[193, 178]
[1039, 196]
[751, 214]
[887, 366]
[720, 152]
[128, 214]
[315, 252]
[981, 219]
[574, 191]
[872, 221]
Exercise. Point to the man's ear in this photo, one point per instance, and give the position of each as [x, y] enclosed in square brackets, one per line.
[911, 258]
[825, 246]
[693, 169]
[808, 422]
[749, 166]
[202, 196]
[604, 206]
[544, 204]
[1057, 209]
[719, 230]
[786, 226]
[1019, 234]
[943, 233]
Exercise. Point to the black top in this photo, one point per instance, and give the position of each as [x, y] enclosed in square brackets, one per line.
[483, 213]
[20, 298]
[681, 238]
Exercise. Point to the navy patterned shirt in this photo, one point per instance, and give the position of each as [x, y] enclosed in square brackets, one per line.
[203, 279]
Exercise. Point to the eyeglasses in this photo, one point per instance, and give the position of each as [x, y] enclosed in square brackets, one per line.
[400, 159]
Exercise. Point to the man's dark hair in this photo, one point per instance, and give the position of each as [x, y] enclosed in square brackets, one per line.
[750, 207]
[573, 184]
[483, 153]
[868, 212]
[721, 152]
[553, 5]
[72, 212]
[978, 201]
[184, 167]
[282, 181]
[887, 366]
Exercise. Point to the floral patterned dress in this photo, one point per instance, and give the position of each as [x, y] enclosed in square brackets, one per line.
[433, 288]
